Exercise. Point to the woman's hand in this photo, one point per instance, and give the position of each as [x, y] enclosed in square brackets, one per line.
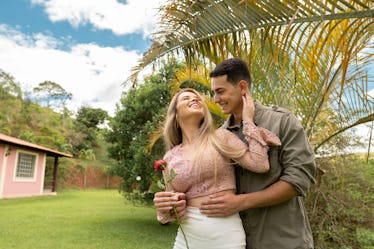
[248, 108]
[166, 201]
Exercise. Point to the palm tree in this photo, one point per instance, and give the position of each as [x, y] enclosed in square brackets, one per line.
[312, 57]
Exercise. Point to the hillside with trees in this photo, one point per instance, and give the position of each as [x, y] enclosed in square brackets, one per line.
[40, 116]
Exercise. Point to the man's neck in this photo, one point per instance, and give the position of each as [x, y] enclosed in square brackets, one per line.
[234, 121]
[237, 118]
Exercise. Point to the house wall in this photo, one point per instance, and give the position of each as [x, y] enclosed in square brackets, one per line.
[10, 186]
[2, 168]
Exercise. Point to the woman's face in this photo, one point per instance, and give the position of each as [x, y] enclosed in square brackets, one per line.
[189, 105]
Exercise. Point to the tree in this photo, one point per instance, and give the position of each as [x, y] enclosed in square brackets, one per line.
[140, 110]
[86, 127]
[8, 87]
[91, 117]
[52, 94]
[314, 52]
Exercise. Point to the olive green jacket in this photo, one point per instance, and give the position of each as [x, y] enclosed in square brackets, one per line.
[286, 225]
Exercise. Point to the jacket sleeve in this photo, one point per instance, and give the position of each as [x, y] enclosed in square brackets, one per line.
[296, 155]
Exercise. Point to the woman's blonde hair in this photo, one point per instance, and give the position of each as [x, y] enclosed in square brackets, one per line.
[207, 137]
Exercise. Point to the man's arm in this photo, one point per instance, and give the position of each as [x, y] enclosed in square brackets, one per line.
[225, 204]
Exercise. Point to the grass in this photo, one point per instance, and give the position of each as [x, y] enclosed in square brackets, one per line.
[79, 220]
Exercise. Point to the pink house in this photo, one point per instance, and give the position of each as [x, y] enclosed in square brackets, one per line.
[22, 167]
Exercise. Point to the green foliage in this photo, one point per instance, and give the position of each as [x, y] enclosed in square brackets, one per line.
[8, 87]
[140, 111]
[27, 136]
[35, 124]
[86, 125]
[91, 117]
[365, 238]
[340, 207]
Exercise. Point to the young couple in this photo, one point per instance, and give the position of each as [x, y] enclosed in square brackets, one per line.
[259, 164]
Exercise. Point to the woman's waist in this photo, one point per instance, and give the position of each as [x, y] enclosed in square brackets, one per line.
[197, 201]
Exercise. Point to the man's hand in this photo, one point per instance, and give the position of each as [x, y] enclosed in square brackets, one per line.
[225, 203]
[221, 205]
[166, 201]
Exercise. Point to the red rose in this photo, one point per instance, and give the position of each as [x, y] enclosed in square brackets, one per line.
[159, 164]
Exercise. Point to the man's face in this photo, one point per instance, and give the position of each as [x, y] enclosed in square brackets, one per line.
[227, 95]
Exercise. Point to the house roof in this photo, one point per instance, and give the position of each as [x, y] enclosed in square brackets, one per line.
[16, 141]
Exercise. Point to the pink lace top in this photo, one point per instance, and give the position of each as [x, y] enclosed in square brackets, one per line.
[217, 172]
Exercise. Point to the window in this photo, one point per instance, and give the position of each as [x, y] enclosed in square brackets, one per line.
[25, 165]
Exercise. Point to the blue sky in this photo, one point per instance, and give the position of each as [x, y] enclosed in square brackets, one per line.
[86, 46]
[32, 18]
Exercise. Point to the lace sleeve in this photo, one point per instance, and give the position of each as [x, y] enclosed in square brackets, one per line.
[259, 140]
[261, 135]
[165, 217]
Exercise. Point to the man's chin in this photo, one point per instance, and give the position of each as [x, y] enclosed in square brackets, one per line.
[225, 111]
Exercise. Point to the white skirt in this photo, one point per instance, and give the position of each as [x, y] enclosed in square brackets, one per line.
[204, 233]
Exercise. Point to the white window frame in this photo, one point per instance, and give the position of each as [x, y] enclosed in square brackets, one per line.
[25, 179]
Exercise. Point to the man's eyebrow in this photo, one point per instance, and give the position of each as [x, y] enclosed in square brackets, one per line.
[217, 89]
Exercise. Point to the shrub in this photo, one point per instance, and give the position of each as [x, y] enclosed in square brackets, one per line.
[340, 206]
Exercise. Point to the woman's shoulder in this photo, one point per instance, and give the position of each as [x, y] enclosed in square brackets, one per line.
[171, 153]
[224, 133]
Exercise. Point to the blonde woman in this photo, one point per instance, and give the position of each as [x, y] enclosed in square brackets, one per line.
[203, 159]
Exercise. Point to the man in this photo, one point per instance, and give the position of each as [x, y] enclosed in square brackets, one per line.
[270, 204]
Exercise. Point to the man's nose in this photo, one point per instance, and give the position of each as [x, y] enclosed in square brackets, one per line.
[215, 98]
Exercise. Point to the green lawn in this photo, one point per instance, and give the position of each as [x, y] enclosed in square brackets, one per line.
[81, 219]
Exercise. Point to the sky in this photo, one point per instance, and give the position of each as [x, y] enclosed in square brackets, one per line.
[86, 46]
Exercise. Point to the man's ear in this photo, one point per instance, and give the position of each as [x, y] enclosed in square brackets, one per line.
[243, 87]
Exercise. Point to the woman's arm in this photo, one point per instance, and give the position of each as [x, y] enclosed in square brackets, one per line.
[259, 139]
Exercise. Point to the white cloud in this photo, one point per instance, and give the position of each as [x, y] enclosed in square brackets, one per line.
[371, 93]
[93, 74]
[121, 18]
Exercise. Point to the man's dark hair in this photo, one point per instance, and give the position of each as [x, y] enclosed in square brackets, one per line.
[236, 70]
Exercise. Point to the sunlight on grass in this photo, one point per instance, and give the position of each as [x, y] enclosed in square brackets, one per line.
[79, 220]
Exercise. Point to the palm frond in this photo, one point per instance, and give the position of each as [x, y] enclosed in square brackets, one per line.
[184, 24]
[308, 56]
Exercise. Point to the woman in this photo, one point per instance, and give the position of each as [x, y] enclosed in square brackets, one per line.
[203, 159]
